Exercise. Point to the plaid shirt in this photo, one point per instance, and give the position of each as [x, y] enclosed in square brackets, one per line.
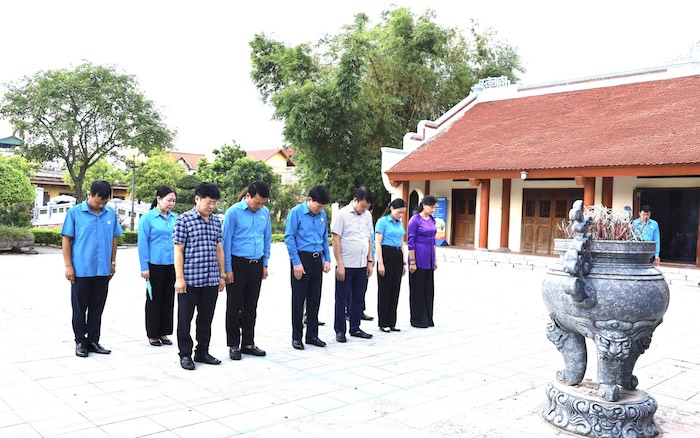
[200, 238]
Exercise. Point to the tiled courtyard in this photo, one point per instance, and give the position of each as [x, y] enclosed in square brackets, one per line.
[481, 372]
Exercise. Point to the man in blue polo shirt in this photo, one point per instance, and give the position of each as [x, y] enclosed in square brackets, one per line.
[90, 234]
[649, 230]
[247, 240]
[199, 273]
[306, 236]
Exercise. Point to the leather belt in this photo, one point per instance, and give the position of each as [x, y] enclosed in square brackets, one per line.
[249, 261]
[314, 255]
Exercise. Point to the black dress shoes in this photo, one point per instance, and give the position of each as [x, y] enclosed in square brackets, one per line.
[316, 341]
[385, 329]
[81, 350]
[366, 317]
[234, 353]
[155, 342]
[94, 347]
[166, 341]
[340, 337]
[186, 363]
[361, 334]
[254, 351]
[394, 329]
[297, 345]
[207, 359]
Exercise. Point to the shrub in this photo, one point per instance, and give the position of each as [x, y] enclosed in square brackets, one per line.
[128, 238]
[8, 233]
[43, 236]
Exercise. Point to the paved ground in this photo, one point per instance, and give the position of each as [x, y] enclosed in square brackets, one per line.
[481, 372]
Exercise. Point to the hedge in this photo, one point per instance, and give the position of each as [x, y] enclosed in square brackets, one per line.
[8, 233]
[53, 237]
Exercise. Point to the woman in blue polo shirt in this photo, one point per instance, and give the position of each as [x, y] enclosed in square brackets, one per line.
[156, 255]
[391, 265]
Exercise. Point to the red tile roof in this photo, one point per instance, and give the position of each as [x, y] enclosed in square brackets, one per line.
[646, 123]
[192, 160]
[265, 154]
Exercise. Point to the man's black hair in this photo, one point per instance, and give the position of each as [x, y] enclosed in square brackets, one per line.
[320, 194]
[646, 208]
[259, 188]
[206, 189]
[101, 189]
[363, 193]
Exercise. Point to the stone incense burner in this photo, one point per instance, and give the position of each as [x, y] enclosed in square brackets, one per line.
[610, 292]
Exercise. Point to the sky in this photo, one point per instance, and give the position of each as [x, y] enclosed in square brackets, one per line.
[192, 59]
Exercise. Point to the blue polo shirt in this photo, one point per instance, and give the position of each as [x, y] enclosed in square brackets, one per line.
[391, 230]
[247, 234]
[649, 232]
[306, 232]
[91, 239]
[156, 239]
[200, 237]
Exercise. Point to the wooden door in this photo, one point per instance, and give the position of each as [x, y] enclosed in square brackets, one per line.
[463, 217]
[543, 213]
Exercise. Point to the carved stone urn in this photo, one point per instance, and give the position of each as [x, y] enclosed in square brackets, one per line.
[610, 292]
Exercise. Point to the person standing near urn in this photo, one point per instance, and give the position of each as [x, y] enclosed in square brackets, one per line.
[649, 230]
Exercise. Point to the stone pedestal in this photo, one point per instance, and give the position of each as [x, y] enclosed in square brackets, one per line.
[578, 409]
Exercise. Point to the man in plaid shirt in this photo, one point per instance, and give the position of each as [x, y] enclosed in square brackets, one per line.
[199, 273]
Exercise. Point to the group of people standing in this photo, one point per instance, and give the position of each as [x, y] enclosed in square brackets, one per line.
[192, 256]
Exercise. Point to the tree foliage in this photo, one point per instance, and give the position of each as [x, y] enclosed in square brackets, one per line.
[102, 169]
[185, 193]
[81, 115]
[364, 88]
[16, 195]
[233, 172]
[159, 169]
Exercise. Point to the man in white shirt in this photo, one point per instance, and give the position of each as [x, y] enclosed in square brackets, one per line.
[352, 247]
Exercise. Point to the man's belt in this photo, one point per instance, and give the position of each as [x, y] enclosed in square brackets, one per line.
[314, 255]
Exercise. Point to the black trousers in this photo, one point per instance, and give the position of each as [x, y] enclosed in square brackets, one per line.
[242, 301]
[204, 300]
[159, 310]
[306, 290]
[350, 295]
[389, 285]
[422, 295]
[88, 297]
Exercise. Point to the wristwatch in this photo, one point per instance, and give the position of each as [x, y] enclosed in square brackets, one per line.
[222, 276]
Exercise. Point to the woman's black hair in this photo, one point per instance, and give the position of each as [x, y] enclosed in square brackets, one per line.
[429, 200]
[162, 192]
[396, 203]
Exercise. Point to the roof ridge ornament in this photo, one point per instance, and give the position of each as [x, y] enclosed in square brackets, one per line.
[493, 82]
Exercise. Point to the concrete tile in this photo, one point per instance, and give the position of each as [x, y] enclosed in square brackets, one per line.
[133, 428]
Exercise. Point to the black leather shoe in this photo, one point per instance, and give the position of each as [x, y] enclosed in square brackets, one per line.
[385, 329]
[297, 345]
[394, 329]
[361, 334]
[166, 341]
[81, 350]
[94, 347]
[234, 353]
[254, 351]
[155, 342]
[321, 323]
[207, 359]
[186, 363]
[316, 341]
[340, 337]
[366, 317]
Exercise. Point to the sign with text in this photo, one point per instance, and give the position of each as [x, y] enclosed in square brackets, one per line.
[440, 216]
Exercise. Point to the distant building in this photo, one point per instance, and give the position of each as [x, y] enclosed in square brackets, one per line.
[279, 159]
[8, 145]
[189, 161]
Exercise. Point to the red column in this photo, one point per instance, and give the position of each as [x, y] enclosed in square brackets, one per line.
[484, 216]
[607, 192]
[505, 214]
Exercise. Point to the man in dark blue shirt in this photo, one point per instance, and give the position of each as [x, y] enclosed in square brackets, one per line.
[199, 273]
[247, 240]
[306, 237]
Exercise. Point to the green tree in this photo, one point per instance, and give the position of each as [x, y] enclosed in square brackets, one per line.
[233, 172]
[185, 193]
[16, 195]
[102, 169]
[364, 88]
[159, 169]
[27, 167]
[82, 115]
